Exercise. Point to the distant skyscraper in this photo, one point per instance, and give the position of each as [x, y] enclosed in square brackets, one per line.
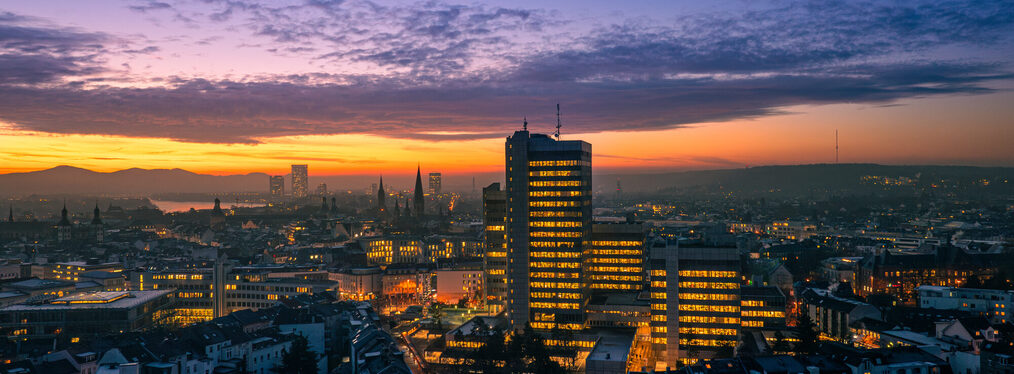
[322, 189]
[299, 181]
[548, 194]
[418, 204]
[494, 216]
[435, 182]
[277, 185]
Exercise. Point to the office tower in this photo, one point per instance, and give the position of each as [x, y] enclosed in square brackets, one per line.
[616, 257]
[299, 181]
[417, 201]
[277, 185]
[663, 265]
[322, 189]
[435, 182]
[703, 319]
[548, 195]
[494, 217]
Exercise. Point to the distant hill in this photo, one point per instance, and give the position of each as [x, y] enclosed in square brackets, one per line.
[802, 179]
[69, 179]
[786, 180]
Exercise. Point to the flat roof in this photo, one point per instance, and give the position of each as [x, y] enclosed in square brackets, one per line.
[127, 300]
[91, 298]
[612, 347]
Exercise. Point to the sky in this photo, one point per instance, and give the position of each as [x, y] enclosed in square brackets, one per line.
[365, 87]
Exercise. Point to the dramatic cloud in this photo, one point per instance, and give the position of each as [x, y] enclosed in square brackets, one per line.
[444, 72]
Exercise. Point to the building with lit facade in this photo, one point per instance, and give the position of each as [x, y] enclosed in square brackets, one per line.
[440, 247]
[196, 300]
[387, 250]
[663, 271]
[494, 218]
[762, 308]
[436, 182]
[791, 230]
[359, 284]
[548, 194]
[86, 314]
[71, 271]
[835, 315]
[705, 316]
[452, 285]
[997, 305]
[615, 259]
[898, 273]
[300, 188]
[277, 185]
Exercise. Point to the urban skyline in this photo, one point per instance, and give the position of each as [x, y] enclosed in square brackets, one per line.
[640, 187]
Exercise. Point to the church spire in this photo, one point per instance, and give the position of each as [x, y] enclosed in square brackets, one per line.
[96, 219]
[417, 203]
[381, 196]
[64, 221]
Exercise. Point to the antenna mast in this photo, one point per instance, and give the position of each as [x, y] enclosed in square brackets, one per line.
[836, 146]
[558, 125]
[525, 127]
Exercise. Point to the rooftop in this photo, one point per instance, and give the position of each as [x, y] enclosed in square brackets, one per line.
[94, 300]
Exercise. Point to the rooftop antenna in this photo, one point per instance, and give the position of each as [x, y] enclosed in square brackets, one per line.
[558, 121]
[525, 127]
[836, 146]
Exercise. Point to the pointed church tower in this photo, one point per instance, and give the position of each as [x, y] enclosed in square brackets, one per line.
[417, 203]
[96, 219]
[95, 228]
[381, 197]
[63, 229]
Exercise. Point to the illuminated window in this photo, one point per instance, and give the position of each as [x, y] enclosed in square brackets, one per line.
[712, 285]
[708, 296]
[555, 193]
[707, 273]
[708, 331]
[709, 308]
[555, 173]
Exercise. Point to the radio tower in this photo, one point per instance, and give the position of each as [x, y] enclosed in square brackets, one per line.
[558, 125]
[836, 146]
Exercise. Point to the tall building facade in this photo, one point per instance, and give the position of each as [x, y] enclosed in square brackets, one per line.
[702, 321]
[548, 227]
[616, 257]
[299, 181]
[435, 183]
[277, 185]
[494, 217]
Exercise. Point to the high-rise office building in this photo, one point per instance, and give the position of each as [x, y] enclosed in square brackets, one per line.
[548, 224]
[494, 216]
[695, 302]
[322, 189]
[277, 185]
[616, 257]
[299, 181]
[435, 181]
